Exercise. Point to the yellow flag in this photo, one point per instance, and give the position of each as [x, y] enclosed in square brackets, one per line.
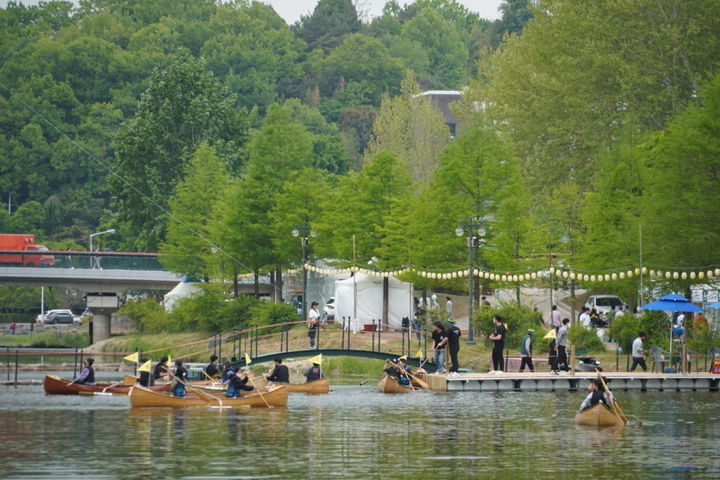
[169, 360]
[316, 359]
[419, 354]
[133, 357]
[145, 367]
[551, 334]
[248, 361]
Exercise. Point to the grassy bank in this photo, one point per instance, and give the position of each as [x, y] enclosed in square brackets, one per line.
[47, 339]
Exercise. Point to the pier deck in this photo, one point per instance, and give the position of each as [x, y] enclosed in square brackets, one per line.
[531, 382]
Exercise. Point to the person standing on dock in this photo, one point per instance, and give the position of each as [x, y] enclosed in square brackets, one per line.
[526, 351]
[561, 344]
[438, 351]
[87, 374]
[453, 333]
[638, 352]
[498, 338]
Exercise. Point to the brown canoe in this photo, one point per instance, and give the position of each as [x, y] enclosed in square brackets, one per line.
[143, 397]
[316, 387]
[389, 385]
[598, 416]
[55, 385]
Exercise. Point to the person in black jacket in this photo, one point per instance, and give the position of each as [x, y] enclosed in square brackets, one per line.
[212, 369]
[453, 342]
[498, 338]
[237, 383]
[280, 373]
[87, 374]
[161, 369]
[180, 380]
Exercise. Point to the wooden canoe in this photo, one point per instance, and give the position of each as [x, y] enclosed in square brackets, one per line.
[598, 416]
[316, 387]
[143, 397]
[55, 385]
[389, 385]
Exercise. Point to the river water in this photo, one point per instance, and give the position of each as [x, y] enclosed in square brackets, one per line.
[356, 432]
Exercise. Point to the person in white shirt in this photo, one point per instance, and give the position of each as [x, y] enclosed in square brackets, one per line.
[585, 318]
[313, 323]
[555, 319]
[638, 352]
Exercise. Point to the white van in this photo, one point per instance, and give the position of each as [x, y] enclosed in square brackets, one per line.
[604, 303]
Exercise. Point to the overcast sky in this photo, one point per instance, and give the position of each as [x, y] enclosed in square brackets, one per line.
[291, 10]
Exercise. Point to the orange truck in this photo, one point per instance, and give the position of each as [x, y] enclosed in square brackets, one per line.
[29, 253]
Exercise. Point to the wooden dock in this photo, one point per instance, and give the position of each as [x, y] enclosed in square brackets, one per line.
[544, 382]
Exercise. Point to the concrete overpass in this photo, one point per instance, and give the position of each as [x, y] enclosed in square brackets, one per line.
[102, 276]
[89, 280]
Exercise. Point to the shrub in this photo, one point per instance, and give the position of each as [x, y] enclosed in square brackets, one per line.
[624, 330]
[517, 318]
[585, 339]
[147, 315]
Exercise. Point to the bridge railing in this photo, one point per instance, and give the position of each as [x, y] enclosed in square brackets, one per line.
[90, 260]
[288, 337]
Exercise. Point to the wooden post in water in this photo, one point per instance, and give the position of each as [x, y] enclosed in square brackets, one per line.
[379, 333]
[7, 359]
[16, 367]
[373, 335]
[572, 360]
[74, 364]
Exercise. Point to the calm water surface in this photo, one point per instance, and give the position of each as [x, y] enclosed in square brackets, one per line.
[356, 432]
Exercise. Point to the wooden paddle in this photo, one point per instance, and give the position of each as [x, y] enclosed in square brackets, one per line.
[416, 379]
[258, 391]
[615, 405]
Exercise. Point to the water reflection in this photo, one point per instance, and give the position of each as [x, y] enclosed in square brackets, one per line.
[357, 433]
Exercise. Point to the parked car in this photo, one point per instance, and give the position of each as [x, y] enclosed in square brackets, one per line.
[59, 317]
[604, 303]
[44, 318]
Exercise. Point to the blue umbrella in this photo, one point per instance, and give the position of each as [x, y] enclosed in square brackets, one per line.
[669, 306]
[672, 303]
[713, 305]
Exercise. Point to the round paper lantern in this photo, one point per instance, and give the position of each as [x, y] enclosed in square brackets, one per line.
[701, 275]
[630, 274]
[692, 275]
[684, 275]
[614, 276]
[622, 275]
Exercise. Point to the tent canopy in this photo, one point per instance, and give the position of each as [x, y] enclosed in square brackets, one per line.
[670, 306]
[186, 288]
[369, 302]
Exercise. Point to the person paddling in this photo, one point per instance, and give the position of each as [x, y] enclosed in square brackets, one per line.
[596, 394]
[280, 373]
[237, 383]
[180, 380]
[212, 370]
[313, 373]
[161, 370]
[87, 374]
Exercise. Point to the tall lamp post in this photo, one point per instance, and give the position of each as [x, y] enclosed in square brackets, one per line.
[302, 231]
[475, 224]
[93, 235]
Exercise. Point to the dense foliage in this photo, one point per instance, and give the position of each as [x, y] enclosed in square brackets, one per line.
[211, 129]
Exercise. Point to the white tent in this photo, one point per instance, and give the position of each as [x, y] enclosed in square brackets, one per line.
[183, 289]
[368, 305]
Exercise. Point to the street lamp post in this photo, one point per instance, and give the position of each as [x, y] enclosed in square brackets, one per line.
[302, 231]
[473, 241]
[93, 235]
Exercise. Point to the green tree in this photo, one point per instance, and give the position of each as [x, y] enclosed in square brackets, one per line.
[330, 23]
[189, 243]
[680, 225]
[411, 127]
[185, 105]
[566, 87]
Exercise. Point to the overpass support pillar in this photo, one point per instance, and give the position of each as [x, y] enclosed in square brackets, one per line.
[101, 327]
[102, 306]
